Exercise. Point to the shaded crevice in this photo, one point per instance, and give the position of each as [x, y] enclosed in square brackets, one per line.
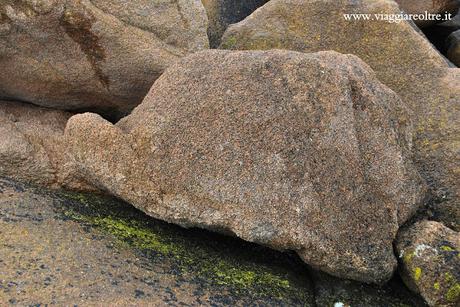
[441, 37]
[223, 13]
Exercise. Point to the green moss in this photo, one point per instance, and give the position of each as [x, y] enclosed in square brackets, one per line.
[226, 273]
[453, 294]
[130, 231]
[417, 273]
[210, 265]
[437, 286]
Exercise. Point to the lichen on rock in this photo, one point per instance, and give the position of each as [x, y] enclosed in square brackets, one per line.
[430, 262]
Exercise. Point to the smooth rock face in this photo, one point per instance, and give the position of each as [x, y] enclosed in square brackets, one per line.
[402, 59]
[222, 13]
[32, 149]
[453, 47]
[430, 262]
[99, 55]
[304, 152]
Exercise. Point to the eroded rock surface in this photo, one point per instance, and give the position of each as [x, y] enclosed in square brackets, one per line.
[299, 152]
[430, 262]
[402, 59]
[32, 148]
[100, 55]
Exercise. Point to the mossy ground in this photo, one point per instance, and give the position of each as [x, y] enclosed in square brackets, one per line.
[244, 269]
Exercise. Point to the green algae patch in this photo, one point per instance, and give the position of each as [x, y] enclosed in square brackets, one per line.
[238, 266]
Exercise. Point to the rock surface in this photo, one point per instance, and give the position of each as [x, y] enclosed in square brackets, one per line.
[32, 148]
[429, 6]
[453, 47]
[298, 152]
[66, 249]
[402, 59]
[430, 262]
[100, 55]
[222, 13]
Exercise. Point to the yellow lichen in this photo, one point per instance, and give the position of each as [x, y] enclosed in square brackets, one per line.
[453, 294]
[417, 273]
[449, 277]
[408, 257]
[446, 248]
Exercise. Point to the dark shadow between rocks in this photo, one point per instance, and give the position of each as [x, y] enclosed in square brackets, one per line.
[438, 35]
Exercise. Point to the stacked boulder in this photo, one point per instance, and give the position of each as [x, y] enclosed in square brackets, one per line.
[303, 152]
[324, 147]
[402, 59]
[100, 55]
[430, 256]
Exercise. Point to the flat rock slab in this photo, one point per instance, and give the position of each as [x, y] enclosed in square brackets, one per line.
[60, 248]
[77, 249]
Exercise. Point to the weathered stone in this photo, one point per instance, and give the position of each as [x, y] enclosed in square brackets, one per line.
[222, 13]
[453, 47]
[428, 6]
[430, 262]
[294, 151]
[402, 59]
[32, 149]
[100, 55]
